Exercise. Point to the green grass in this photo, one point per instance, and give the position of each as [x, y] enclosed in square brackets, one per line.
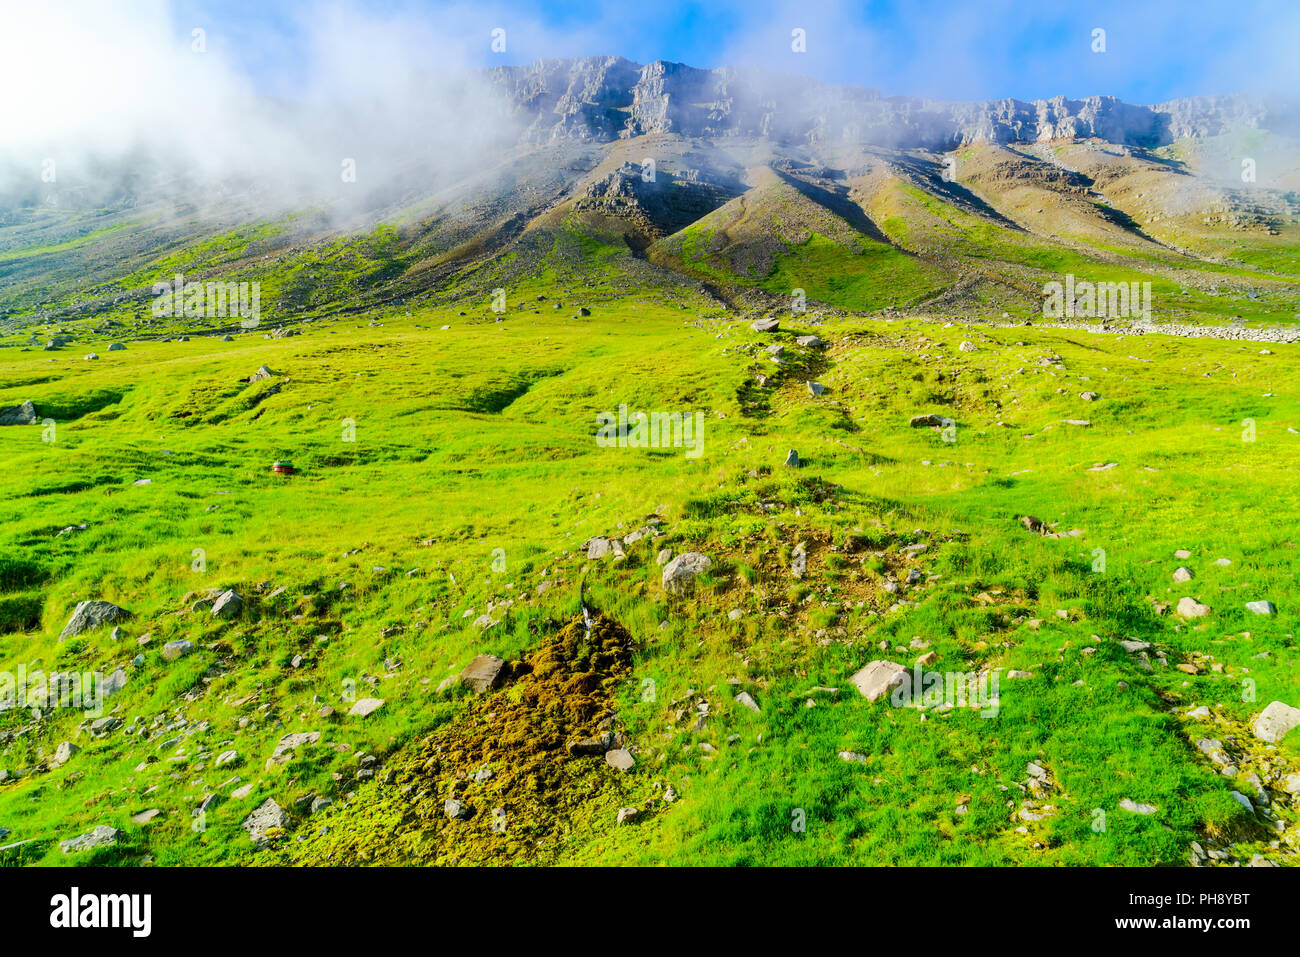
[479, 440]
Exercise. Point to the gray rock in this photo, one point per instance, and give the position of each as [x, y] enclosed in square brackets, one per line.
[116, 347]
[1275, 721]
[879, 678]
[1261, 607]
[815, 388]
[598, 548]
[92, 614]
[627, 814]
[24, 414]
[766, 325]
[177, 649]
[262, 373]
[267, 817]
[114, 683]
[1183, 575]
[792, 459]
[226, 757]
[103, 726]
[64, 752]
[484, 673]
[664, 557]
[101, 836]
[227, 605]
[927, 420]
[366, 707]
[744, 698]
[809, 342]
[289, 743]
[453, 808]
[679, 574]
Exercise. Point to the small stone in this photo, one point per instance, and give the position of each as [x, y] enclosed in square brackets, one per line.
[366, 707]
[620, 758]
[177, 649]
[878, 678]
[745, 699]
[268, 817]
[227, 605]
[101, 836]
[484, 673]
[679, 574]
[1128, 805]
[1191, 608]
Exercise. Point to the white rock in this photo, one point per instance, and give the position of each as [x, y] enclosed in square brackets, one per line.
[1191, 608]
[879, 678]
[1275, 721]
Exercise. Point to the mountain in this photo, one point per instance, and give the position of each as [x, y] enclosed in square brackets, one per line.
[746, 183]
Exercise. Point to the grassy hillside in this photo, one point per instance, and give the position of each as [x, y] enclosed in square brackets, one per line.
[448, 469]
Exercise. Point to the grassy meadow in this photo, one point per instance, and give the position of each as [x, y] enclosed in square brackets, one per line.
[447, 469]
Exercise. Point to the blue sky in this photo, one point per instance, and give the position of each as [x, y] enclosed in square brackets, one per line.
[975, 50]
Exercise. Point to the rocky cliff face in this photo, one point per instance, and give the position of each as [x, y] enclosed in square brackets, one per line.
[606, 98]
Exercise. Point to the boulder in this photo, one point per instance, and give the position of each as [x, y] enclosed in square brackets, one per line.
[484, 673]
[227, 605]
[92, 614]
[366, 707]
[24, 414]
[927, 420]
[1275, 721]
[1191, 608]
[64, 752]
[766, 325]
[262, 373]
[679, 574]
[177, 649]
[791, 459]
[1261, 607]
[102, 836]
[810, 342]
[267, 817]
[879, 678]
[116, 347]
[289, 744]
